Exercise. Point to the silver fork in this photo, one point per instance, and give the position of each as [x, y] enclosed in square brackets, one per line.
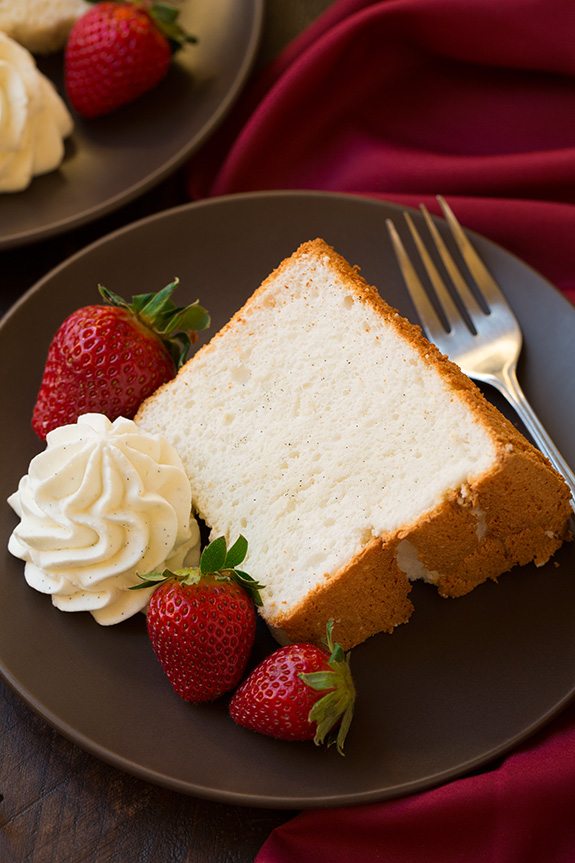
[487, 346]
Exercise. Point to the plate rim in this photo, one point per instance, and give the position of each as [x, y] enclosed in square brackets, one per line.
[156, 777]
[217, 200]
[236, 798]
[71, 222]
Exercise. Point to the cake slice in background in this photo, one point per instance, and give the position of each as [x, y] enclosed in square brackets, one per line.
[42, 26]
[353, 456]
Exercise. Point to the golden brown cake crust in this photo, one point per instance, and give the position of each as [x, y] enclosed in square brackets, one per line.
[525, 519]
[368, 595]
[518, 511]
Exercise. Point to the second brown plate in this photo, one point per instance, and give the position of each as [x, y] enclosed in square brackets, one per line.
[112, 159]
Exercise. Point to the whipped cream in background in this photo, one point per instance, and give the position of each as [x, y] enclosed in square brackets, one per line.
[33, 119]
[103, 502]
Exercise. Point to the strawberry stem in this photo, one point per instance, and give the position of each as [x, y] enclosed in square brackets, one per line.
[334, 711]
[165, 17]
[216, 560]
[175, 326]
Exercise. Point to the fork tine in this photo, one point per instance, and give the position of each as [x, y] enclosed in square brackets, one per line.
[450, 309]
[467, 298]
[483, 278]
[429, 319]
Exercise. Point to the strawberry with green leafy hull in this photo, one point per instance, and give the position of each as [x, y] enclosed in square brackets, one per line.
[299, 692]
[119, 50]
[108, 358]
[202, 621]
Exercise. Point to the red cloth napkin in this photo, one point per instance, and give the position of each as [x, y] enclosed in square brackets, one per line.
[404, 99]
[474, 99]
[521, 812]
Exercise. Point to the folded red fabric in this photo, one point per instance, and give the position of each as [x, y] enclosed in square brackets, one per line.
[404, 99]
[520, 812]
[473, 99]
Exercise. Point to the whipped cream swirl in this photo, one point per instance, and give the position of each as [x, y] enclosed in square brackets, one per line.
[33, 119]
[103, 502]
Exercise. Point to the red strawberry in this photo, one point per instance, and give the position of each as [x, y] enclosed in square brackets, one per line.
[202, 622]
[117, 51]
[108, 359]
[299, 692]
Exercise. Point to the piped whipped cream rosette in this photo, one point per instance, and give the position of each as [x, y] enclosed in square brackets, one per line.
[33, 119]
[103, 502]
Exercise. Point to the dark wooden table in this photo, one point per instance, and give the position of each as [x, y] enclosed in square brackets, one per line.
[60, 804]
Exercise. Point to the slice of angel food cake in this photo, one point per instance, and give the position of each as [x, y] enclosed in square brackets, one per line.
[353, 456]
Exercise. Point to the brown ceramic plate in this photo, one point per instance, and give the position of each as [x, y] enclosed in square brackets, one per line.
[111, 160]
[462, 683]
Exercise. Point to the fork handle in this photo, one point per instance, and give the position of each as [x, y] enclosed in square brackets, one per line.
[508, 385]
